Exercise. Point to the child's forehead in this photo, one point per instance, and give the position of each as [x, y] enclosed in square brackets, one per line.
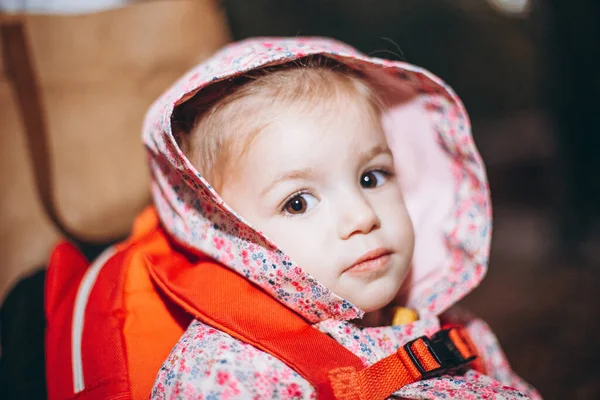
[305, 119]
[347, 136]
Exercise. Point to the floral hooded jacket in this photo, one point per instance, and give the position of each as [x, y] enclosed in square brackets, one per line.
[446, 191]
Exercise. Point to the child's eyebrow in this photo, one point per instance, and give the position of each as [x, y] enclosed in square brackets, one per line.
[289, 176]
[374, 152]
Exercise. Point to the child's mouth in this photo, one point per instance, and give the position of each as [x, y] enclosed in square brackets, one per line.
[371, 261]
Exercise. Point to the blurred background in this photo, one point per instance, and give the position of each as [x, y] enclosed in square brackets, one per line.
[77, 77]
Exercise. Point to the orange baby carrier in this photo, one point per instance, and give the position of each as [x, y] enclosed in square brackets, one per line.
[111, 324]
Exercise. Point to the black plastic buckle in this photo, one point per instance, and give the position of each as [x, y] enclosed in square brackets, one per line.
[443, 351]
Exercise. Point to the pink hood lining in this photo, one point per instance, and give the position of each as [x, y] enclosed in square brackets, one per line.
[440, 170]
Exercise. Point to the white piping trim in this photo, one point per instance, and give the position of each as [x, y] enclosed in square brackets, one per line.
[83, 294]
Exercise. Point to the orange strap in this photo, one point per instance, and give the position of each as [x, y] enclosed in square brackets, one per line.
[418, 359]
[223, 299]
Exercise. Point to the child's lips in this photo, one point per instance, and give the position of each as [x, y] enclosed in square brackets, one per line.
[371, 261]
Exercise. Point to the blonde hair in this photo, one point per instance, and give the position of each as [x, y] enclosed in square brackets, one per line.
[218, 124]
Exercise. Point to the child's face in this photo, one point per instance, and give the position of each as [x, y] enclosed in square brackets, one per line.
[322, 188]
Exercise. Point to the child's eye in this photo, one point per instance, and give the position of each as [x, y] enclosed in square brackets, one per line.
[374, 178]
[299, 204]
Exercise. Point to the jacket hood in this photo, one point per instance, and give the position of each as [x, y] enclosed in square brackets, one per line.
[441, 174]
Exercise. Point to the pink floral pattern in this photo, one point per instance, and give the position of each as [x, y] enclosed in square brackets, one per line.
[209, 364]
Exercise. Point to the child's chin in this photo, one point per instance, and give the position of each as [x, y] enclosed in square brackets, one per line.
[376, 299]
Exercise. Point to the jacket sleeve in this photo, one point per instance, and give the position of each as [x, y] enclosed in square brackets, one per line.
[209, 364]
[494, 360]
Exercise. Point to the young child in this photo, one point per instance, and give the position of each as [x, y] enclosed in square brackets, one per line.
[342, 185]
[317, 213]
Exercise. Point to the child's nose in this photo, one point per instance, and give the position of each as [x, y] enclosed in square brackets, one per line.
[357, 218]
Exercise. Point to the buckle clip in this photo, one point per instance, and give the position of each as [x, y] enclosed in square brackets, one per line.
[443, 350]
